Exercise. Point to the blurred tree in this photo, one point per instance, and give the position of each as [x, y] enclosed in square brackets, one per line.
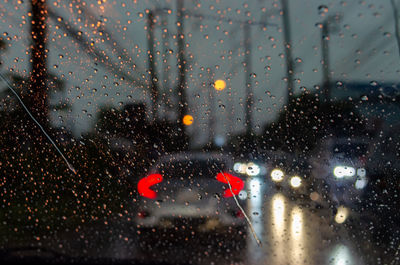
[135, 142]
[307, 119]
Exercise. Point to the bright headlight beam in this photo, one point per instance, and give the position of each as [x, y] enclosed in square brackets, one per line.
[344, 171]
[295, 181]
[277, 175]
[252, 169]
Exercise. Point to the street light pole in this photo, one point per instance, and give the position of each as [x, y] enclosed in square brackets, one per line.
[325, 59]
[38, 78]
[182, 103]
[211, 102]
[248, 73]
[152, 68]
[288, 49]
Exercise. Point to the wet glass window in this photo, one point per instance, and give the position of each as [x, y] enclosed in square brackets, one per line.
[200, 132]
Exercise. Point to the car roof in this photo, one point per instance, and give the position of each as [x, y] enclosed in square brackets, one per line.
[185, 156]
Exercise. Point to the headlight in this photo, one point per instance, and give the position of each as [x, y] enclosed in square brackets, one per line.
[361, 183]
[277, 175]
[361, 172]
[252, 169]
[240, 168]
[341, 215]
[344, 171]
[295, 182]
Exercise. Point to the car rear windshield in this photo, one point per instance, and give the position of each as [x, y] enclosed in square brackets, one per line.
[192, 168]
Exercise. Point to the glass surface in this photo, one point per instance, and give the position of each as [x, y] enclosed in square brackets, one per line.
[200, 132]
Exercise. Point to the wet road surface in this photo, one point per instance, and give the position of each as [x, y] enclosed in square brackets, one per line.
[290, 233]
[294, 234]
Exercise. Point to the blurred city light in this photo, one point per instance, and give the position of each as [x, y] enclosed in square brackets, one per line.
[277, 175]
[341, 215]
[298, 240]
[278, 212]
[219, 85]
[252, 169]
[361, 183]
[344, 171]
[361, 172]
[187, 120]
[341, 255]
[295, 181]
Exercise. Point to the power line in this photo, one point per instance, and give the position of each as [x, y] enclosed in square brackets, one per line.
[98, 55]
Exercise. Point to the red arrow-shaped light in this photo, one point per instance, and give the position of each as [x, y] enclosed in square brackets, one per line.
[236, 183]
[145, 184]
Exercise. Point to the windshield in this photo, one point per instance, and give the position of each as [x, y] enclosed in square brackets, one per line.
[200, 132]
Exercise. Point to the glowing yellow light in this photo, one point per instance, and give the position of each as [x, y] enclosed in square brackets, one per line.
[341, 215]
[277, 175]
[187, 120]
[219, 84]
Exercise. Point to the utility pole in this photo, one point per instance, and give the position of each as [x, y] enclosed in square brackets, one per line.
[152, 67]
[182, 103]
[211, 105]
[248, 73]
[38, 79]
[325, 60]
[288, 49]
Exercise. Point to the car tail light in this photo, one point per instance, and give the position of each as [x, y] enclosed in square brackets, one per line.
[145, 184]
[236, 183]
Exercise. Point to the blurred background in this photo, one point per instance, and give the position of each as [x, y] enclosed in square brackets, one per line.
[286, 89]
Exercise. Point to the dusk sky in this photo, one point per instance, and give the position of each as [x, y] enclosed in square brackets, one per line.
[214, 43]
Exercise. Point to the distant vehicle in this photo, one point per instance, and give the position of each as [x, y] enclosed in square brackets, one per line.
[190, 194]
[339, 169]
[282, 170]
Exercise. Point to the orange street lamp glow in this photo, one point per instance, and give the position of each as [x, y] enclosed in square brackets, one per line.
[187, 120]
[219, 85]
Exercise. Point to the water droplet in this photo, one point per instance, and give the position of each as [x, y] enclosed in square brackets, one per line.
[322, 10]
[373, 83]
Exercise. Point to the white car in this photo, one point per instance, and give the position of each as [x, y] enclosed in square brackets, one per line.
[188, 193]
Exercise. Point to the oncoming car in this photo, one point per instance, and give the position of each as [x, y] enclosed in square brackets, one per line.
[290, 174]
[341, 164]
[187, 195]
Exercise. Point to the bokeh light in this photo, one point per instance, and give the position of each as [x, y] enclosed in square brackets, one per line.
[187, 120]
[219, 84]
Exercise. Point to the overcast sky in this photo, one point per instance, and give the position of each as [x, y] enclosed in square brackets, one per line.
[362, 46]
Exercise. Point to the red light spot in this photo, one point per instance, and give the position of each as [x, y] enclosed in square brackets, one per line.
[239, 214]
[145, 184]
[236, 183]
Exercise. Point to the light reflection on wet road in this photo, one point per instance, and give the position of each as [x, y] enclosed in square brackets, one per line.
[292, 234]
